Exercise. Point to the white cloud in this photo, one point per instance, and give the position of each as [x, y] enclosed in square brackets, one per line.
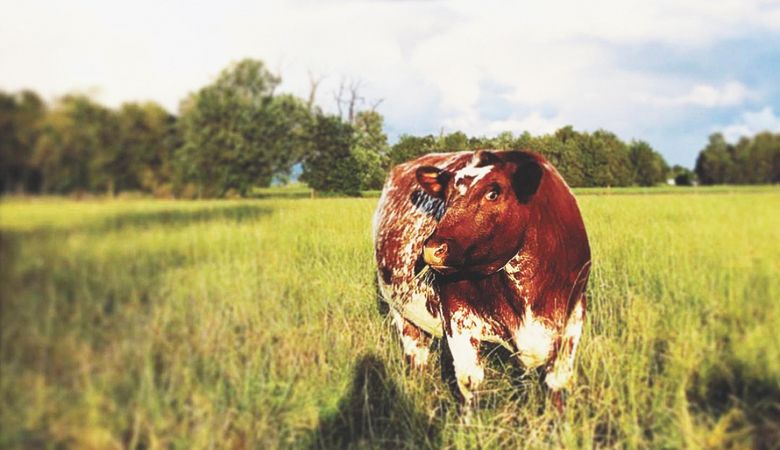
[535, 123]
[729, 94]
[429, 61]
[751, 123]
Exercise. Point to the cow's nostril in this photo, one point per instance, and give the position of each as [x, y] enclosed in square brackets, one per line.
[441, 251]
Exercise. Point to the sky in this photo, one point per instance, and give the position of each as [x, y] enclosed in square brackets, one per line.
[667, 72]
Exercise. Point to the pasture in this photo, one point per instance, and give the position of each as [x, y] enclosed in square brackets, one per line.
[255, 324]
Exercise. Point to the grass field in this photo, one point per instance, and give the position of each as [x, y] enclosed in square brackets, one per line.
[255, 324]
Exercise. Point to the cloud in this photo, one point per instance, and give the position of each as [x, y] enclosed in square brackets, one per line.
[435, 64]
[535, 123]
[751, 123]
[729, 94]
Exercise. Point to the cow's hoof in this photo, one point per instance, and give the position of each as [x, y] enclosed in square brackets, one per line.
[467, 385]
[469, 380]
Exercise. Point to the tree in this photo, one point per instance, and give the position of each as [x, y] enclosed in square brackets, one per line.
[370, 149]
[564, 149]
[715, 163]
[330, 164]
[76, 148]
[682, 176]
[20, 119]
[648, 166]
[410, 147]
[757, 160]
[504, 141]
[453, 142]
[612, 165]
[237, 134]
[146, 141]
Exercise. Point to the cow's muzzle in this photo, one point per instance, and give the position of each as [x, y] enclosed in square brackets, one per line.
[435, 254]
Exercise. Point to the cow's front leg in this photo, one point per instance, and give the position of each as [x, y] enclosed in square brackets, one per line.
[463, 330]
[560, 369]
[415, 342]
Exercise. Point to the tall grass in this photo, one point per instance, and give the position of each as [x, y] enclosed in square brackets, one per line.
[255, 324]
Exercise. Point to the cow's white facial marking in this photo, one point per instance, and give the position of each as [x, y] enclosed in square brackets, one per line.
[475, 173]
[533, 340]
[563, 366]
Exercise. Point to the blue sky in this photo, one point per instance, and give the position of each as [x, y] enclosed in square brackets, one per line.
[669, 72]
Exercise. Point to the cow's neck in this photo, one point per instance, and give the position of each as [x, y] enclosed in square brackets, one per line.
[490, 296]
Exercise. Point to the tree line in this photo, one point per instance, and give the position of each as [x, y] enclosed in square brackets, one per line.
[752, 160]
[230, 136]
[584, 159]
[238, 133]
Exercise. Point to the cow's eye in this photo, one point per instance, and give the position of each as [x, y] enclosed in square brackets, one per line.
[492, 195]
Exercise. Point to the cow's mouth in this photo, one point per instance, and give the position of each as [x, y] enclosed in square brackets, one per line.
[444, 270]
[469, 271]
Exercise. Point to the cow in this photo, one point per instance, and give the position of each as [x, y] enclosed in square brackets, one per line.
[510, 260]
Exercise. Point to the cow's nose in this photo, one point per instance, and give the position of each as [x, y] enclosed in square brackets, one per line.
[435, 253]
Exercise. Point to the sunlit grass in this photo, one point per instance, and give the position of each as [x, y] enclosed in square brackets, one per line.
[254, 324]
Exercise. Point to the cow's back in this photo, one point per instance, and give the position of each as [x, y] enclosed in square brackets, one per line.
[404, 218]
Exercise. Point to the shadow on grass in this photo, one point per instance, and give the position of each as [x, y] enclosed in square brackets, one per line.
[282, 195]
[177, 217]
[742, 401]
[147, 219]
[375, 414]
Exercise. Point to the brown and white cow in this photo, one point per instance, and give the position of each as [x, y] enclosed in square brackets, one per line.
[505, 238]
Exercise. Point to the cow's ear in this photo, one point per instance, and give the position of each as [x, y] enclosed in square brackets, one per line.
[432, 180]
[526, 180]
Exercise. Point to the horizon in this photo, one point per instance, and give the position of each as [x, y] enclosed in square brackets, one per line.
[670, 75]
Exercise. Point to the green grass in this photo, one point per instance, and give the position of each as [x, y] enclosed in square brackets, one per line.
[255, 324]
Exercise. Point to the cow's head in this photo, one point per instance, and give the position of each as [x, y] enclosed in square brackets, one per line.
[487, 211]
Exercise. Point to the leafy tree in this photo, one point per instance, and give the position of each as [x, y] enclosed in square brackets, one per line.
[370, 166]
[237, 134]
[330, 164]
[370, 149]
[453, 142]
[649, 166]
[611, 165]
[751, 160]
[20, 117]
[682, 176]
[146, 141]
[715, 164]
[410, 147]
[504, 141]
[587, 159]
[76, 149]
[756, 160]
[523, 142]
[584, 159]
[563, 150]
